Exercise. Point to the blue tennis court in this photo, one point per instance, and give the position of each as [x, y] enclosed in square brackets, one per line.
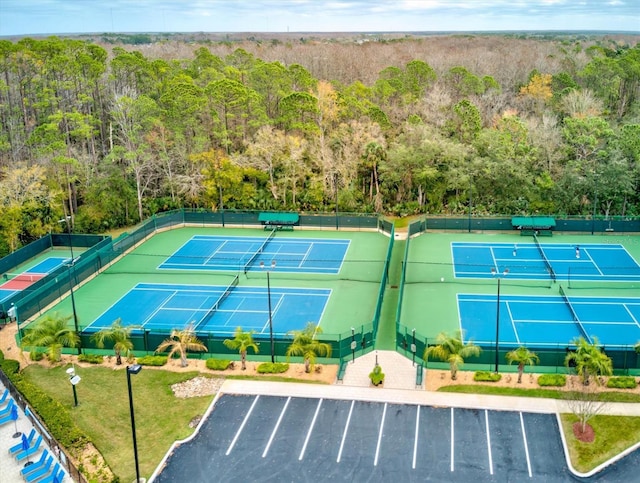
[302, 255]
[601, 262]
[24, 279]
[217, 309]
[539, 321]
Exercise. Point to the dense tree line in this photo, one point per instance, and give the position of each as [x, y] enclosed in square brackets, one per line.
[109, 135]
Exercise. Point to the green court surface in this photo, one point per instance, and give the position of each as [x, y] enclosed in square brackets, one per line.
[429, 303]
[354, 289]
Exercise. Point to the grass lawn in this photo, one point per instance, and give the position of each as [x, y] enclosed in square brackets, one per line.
[614, 434]
[103, 412]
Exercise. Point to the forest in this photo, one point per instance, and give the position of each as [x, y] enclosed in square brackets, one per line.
[105, 134]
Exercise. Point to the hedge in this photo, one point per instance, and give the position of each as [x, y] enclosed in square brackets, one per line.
[486, 376]
[152, 360]
[555, 380]
[91, 358]
[217, 364]
[622, 382]
[272, 368]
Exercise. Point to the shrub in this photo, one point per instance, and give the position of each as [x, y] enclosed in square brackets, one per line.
[217, 364]
[91, 358]
[376, 376]
[152, 360]
[622, 382]
[36, 356]
[556, 380]
[1, 356]
[272, 368]
[486, 376]
[9, 367]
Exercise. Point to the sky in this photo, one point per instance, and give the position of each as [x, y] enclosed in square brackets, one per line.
[31, 17]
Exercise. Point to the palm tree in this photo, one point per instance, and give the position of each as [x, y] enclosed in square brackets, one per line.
[451, 349]
[242, 341]
[589, 360]
[180, 342]
[522, 356]
[119, 335]
[305, 344]
[53, 333]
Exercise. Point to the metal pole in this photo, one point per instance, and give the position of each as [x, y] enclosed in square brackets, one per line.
[270, 317]
[595, 204]
[335, 186]
[497, 326]
[470, 204]
[133, 369]
[353, 344]
[71, 280]
[75, 396]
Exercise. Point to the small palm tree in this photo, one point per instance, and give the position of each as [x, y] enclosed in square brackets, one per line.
[637, 347]
[305, 344]
[589, 360]
[181, 342]
[451, 349]
[523, 357]
[242, 341]
[53, 333]
[119, 335]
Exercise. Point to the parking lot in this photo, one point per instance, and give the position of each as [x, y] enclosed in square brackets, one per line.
[276, 438]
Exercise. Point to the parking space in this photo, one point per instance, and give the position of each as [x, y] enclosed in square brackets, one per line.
[276, 438]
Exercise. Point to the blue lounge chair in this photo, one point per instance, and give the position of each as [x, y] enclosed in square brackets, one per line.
[56, 476]
[5, 414]
[43, 464]
[18, 447]
[33, 449]
[4, 396]
[41, 472]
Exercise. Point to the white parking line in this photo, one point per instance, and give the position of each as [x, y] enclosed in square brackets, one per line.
[384, 412]
[313, 422]
[486, 420]
[526, 447]
[275, 428]
[244, 421]
[451, 439]
[415, 439]
[344, 434]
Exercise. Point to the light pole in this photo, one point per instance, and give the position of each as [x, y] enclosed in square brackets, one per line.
[74, 379]
[353, 344]
[494, 272]
[134, 369]
[72, 262]
[273, 265]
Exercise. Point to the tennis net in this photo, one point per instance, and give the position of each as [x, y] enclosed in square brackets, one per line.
[573, 314]
[259, 252]
[214, 309]
[552, 273]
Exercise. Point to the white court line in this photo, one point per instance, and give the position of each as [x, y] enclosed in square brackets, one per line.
[526, 447]
[384, 412]
[275, 428]
[415, 440]
[244, 421]
[451, 439]
[313, 422]
[513, 322]
[344, 434]
[486, 420]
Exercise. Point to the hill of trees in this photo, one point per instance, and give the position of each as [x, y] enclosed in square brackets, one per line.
[110, 133]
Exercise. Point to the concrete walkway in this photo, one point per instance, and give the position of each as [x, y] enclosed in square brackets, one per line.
[399, 372]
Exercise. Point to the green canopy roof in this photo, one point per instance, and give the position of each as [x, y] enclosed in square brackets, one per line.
[279, 218]
[533, 222]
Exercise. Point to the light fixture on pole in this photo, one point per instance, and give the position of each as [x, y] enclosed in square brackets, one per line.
[71, 265]
[495, 273]
[133, 369]
[273, 265]
[74, 379]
